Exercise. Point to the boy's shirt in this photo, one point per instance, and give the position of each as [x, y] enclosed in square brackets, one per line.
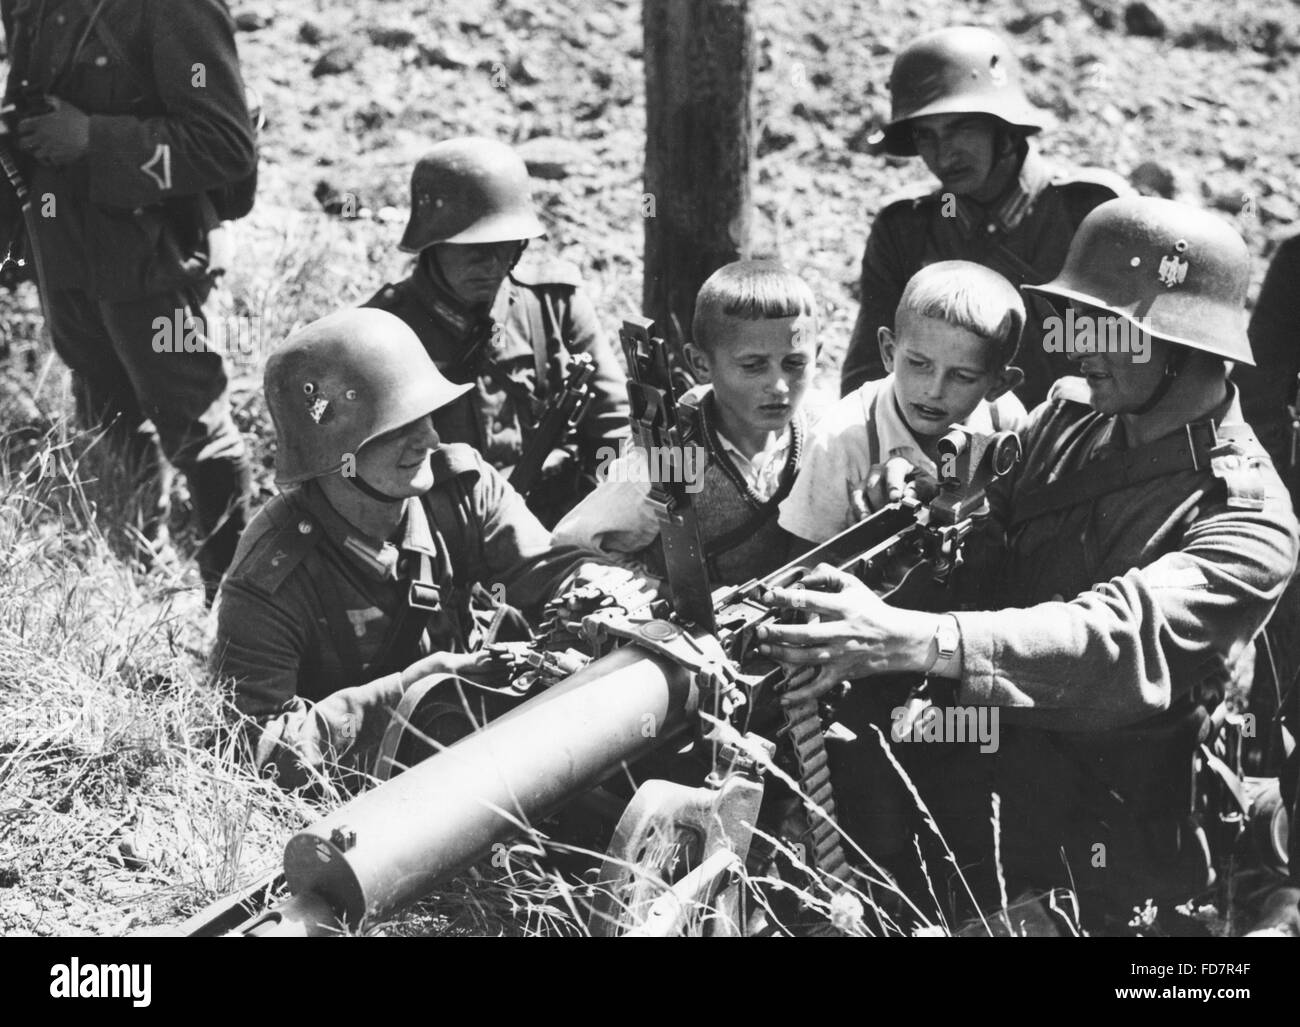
[863, 429]
[618, 517]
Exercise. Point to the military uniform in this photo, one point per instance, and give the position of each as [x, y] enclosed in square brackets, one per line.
[1023, 236]
[126, 243]
[1121, 618]
[307, 611]
[516, 353]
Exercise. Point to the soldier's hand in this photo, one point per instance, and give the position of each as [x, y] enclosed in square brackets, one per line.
[481, 667]
[851, 634]
[556, 461]
[58, 137]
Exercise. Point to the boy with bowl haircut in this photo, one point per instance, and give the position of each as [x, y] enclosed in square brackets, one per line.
[755, 350]
[949, 363]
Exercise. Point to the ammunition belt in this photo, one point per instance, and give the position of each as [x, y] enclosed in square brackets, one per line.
[822, 847]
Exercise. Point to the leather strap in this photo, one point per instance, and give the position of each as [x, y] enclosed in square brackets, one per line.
[1188, 450]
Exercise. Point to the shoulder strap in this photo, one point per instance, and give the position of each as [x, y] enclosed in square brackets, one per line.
[537, 329]
[1191, 450]
[873, 431]
[431, 593]
[453, 520]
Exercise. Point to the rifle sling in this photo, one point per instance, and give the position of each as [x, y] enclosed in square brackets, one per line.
[1188, 450]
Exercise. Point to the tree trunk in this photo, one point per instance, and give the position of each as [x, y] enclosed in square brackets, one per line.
[699, 70]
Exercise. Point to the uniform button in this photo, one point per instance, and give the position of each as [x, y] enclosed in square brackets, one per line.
[990, 229]
[101, 61]
[59, 19]
[304, 527]
[498, 425]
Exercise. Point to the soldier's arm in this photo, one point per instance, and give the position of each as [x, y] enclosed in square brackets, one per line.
[203, 140]
[616, 517]
[1267, 388]
[883, 279]
[1117, 653]
[517, 552]
[606, 420]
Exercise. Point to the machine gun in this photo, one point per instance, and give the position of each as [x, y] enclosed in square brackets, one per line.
[20, 255]
[563, 412]
[679, 854]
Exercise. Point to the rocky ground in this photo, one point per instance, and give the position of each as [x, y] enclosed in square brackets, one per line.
[103, 829]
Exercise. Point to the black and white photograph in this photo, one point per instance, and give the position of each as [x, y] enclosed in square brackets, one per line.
[651, 468]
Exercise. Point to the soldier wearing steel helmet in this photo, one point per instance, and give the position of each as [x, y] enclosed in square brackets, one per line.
[1145, 539]
[957, 102]
[355, 581]
[506, 328]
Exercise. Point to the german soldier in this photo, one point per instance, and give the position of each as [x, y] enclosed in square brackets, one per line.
[321, 626]
[957, 102]
[1147, 540]
[130, 118]
[509, 330]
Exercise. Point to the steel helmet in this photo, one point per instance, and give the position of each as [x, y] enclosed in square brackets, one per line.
[1172, 270]
[470, 190]
[956, 71]
[341, 382]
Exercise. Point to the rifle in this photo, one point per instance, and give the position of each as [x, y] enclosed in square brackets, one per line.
[13, 262]
[563, 413]
[650, 683]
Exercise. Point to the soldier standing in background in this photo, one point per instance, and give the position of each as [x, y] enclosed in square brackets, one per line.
[132, 123]
[958, 104]
[509, 329]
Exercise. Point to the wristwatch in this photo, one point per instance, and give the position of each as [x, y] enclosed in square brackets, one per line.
[947, 640]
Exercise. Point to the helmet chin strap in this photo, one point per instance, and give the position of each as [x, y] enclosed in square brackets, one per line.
[367, 489]
[1174, 364]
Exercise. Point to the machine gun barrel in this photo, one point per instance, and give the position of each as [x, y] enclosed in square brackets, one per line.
[393, 844]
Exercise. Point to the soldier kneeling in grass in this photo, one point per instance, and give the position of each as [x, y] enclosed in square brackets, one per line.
[356, 581]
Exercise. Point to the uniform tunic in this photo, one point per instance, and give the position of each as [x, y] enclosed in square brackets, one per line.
[309, 601]
[1115, 619]
[540, 314]
[131, 216]
[1023, 236]
[123, 232]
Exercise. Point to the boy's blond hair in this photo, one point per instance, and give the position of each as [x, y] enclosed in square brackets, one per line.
[970, 296]
[752, 290]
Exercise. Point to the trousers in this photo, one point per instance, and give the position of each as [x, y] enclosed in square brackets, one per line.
[121, 380]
